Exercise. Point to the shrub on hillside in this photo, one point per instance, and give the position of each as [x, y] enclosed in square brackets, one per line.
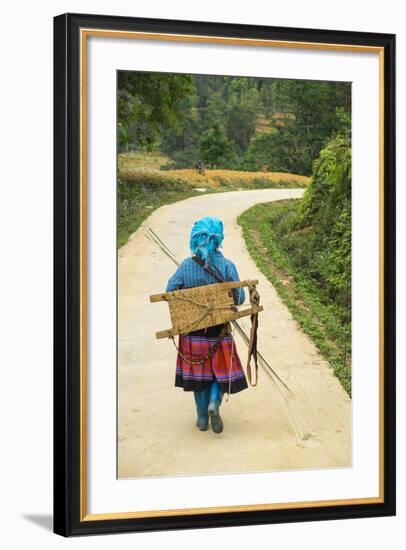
[315, 232]
[326, 209]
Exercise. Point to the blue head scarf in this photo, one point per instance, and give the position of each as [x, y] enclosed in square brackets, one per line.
[206, 237]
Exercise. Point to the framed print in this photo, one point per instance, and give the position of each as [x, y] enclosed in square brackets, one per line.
[224, 253]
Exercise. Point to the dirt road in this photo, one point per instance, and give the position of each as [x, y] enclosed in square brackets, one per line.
[156, 421]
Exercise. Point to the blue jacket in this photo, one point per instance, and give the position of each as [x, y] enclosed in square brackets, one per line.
[190, 274]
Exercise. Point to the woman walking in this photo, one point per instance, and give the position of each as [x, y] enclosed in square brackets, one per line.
[208, 362]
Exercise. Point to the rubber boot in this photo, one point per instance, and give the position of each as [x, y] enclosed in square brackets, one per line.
[216, 396]
[202, 399]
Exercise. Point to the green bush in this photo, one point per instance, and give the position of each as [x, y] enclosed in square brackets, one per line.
[308, 243]
[281, 151]
[215, 149]
[325, 215]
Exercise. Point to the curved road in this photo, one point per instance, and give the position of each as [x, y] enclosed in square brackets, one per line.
[156, 421]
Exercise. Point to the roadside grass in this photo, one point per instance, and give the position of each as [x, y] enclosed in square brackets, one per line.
[278, 253]
[137, 201]
[142, 188]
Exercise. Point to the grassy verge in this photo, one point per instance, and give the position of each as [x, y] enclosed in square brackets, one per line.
[137, 202]
[142, 188]
[278, 252]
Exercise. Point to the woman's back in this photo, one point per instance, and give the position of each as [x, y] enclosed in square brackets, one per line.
[191, 274]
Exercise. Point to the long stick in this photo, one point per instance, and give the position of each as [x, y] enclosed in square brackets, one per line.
[262, 360]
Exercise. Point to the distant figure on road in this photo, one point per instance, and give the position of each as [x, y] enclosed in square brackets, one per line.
[199, 167]
[207, 362]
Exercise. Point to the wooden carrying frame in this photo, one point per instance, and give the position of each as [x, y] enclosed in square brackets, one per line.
[203, 306]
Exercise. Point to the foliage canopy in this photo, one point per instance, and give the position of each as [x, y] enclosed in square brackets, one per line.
[239, 123]
[148, 104]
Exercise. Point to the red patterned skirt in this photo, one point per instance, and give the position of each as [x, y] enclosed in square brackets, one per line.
[198, 376]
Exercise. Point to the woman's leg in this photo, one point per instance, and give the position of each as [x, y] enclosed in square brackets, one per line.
[202, 399]
[216, 396]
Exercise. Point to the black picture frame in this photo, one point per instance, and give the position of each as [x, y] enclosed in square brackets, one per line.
[68, 520]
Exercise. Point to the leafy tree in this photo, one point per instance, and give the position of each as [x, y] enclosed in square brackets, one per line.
[303, 115]
[215, 148]
[242, 111]
[279, 151]
[228, 102]
[147, 104]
